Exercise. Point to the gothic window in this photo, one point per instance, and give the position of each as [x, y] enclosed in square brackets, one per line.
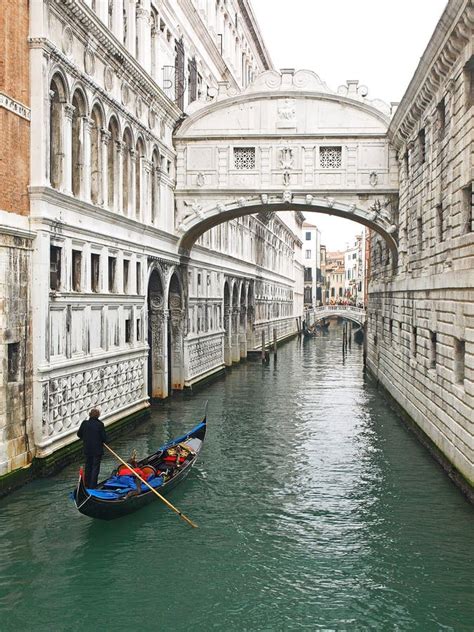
[139, 329]
[244, 158]
[55, 267]
[330, 157]
[96, 166]
[112, 163]
[56, 113]
[128, 331]
[127, 172]
[139, 155]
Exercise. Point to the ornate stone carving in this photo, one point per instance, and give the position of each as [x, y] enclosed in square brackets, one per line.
[309, 199]
[287, 196]
[125, 93]
[138, 107]
[67, 40]
[373, 179]
[108, 78]
[200, 179]
[89, 61]
[67, 400]
[264, 198]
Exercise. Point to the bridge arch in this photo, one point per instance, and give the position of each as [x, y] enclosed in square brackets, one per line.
[287, 142]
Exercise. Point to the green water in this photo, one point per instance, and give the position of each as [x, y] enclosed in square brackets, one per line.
[316, 509]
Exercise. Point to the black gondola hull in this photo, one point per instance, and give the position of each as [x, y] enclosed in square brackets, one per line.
[110, 509]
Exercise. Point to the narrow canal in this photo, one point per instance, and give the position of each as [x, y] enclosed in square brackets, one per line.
[316, 509]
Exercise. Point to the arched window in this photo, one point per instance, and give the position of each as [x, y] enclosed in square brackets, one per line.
[77, 142]
[56, 114]
[96, 156]
[112, 163]
[127, 173]
[140, 151]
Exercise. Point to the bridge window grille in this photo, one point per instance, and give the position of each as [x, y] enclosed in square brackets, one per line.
[330, 157]
[244, 158]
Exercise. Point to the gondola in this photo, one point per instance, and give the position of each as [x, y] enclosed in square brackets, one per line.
[120, 495]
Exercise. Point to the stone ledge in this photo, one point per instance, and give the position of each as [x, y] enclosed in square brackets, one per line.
[56, 461]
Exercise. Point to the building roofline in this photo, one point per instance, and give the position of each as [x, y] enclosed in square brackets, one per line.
[252, 25]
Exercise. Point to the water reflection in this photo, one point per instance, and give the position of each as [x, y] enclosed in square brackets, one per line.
[316, 509]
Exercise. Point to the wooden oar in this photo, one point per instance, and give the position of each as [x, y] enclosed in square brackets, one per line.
[181, 515]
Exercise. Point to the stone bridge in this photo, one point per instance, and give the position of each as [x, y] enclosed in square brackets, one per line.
[287, 143]
[349, 312]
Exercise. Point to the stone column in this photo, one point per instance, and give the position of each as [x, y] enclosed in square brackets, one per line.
[144, 35]
[87, 125]
[67, 149]
[117, 19]
[243, 333]
[227, 337]
[146, 192]
[235, 336]
[118, 176]
[104, 189]
[132, 211]
[131, 26]
[40, 123]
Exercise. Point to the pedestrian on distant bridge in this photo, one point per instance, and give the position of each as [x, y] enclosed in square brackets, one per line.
[92, 433]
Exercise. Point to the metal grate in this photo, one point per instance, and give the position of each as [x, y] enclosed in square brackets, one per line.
[244, 158]
[330, 157]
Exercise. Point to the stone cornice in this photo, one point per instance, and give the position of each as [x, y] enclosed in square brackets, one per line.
[252, 26]
[205, 37]
[124, 64]
[453, 31]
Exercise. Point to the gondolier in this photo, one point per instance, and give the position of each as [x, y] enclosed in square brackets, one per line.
[92, 433]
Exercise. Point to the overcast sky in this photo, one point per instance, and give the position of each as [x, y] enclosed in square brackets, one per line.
[378, 42]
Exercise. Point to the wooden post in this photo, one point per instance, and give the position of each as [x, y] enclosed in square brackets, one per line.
[263, 346]
[275, 344]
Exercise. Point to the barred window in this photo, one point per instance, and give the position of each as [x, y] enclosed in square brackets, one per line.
[330, 157]
[244, 157]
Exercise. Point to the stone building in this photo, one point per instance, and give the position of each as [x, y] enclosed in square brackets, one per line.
[421, 307]
[312, 266]
[118, 315]
[15, 240]
[335, 276]
[354, 263]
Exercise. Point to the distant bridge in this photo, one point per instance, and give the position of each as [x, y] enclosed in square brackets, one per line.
[349, 312]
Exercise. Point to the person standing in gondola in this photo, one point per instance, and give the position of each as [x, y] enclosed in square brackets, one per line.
[92, 433]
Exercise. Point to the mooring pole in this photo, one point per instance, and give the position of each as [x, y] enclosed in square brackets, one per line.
[350, 335]
[275, 344]
[263, 346]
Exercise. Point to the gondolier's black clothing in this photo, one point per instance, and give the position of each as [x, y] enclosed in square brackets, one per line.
[92, 433]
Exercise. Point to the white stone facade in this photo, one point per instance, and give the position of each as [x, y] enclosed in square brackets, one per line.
[421, 320]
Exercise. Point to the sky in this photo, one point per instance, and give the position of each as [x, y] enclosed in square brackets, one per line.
[378, 42]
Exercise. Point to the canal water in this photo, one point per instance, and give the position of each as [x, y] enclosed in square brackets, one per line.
[317, 509]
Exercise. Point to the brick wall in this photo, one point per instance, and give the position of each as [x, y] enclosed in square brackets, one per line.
[14, 130]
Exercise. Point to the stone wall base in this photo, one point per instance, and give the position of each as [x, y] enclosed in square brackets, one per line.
[62, 457]
[466, 488]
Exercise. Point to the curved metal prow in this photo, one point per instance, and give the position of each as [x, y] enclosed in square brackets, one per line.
[205, 410]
